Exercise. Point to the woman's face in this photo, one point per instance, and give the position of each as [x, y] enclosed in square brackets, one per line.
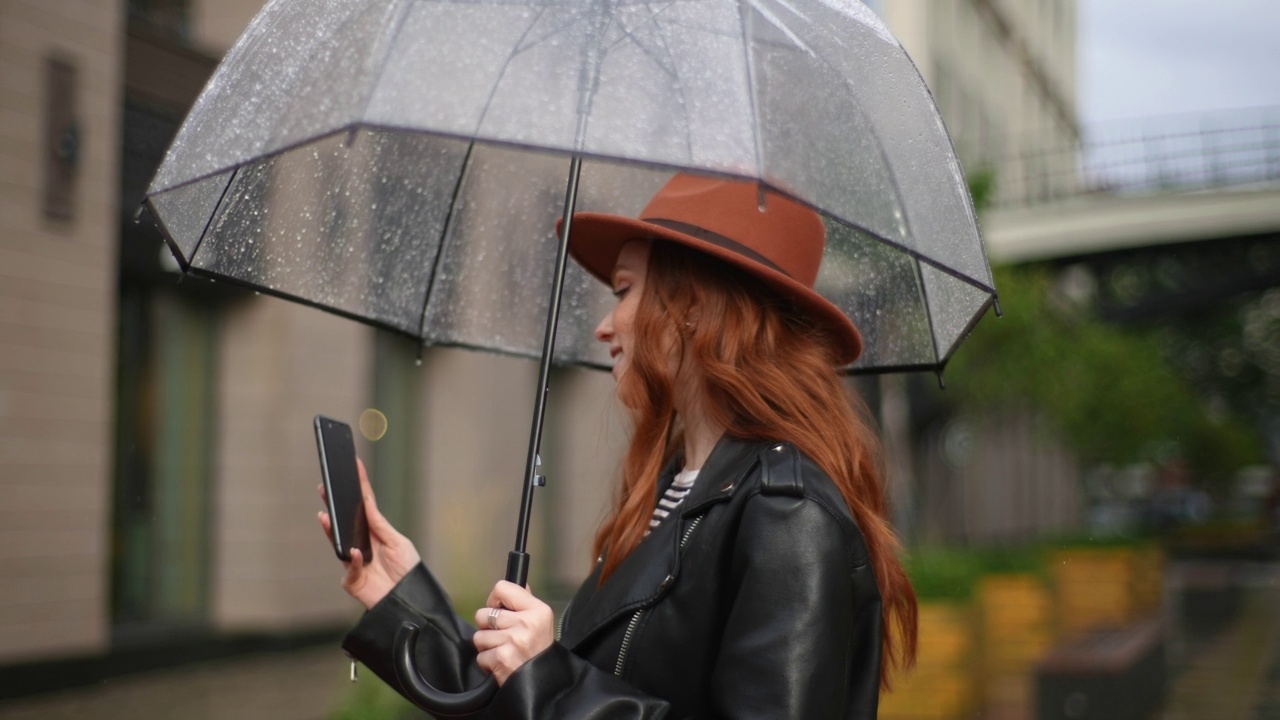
[618, 327]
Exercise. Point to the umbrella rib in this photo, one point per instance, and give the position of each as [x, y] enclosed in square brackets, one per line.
[444, 238]
[968, 328]
[382, 69]
[506, 64]
[217, 210]
[954, 273]
[744, 16]
[879, 145]
[520, 47]
[627, 32]
[911, 253]
[675, 77]
[778, 23]
[928, 311]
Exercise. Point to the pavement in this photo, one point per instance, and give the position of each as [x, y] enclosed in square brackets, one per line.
[1231, 673]
[309, 684]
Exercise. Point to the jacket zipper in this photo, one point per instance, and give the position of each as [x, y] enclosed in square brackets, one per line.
[563, 616]
[635, 619]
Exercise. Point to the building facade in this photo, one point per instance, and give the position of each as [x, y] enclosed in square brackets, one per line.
[1003, 73]
[155, 437]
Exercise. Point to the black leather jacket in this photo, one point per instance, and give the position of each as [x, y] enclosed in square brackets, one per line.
[755, 599]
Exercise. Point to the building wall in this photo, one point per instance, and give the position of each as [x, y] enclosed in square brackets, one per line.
[474, 437]
[991, 480]
[1003, 73]
[280, 365]
[57, 334]
[585, 444]
[215, 24]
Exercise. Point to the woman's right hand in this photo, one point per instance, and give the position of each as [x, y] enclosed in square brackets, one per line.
[393, 554]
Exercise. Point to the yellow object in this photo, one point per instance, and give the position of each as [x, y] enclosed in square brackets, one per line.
[1101, 587]
[943, 684]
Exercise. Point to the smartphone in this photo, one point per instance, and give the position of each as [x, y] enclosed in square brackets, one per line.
[342, 488]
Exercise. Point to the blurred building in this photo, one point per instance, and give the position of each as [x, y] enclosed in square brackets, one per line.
[1003, 73]
[155, 439]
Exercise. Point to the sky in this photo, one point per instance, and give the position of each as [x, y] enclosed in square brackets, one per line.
[1143, 58]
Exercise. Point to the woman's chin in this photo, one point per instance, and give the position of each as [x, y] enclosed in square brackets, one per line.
[627, 394]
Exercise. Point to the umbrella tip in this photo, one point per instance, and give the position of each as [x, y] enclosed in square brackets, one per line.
[942, 382]
[137, 215]
[417, 361]
[996, 303]
[760, 197]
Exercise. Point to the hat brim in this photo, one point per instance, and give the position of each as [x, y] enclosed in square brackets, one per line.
[597, 239]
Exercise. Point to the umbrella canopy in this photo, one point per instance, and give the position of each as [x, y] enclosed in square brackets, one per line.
[402, 162]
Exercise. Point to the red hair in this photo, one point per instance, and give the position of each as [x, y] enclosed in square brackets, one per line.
[762, 372]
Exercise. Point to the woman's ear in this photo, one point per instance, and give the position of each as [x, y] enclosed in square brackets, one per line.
[691, 317]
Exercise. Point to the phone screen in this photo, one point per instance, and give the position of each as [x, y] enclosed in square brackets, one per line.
[342, 487]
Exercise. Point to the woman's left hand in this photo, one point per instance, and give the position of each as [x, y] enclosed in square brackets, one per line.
[525, 627]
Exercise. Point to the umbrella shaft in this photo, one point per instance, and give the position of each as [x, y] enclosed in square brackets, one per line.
[518, 560]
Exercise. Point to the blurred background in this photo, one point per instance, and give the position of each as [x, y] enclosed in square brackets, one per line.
[1091, 506]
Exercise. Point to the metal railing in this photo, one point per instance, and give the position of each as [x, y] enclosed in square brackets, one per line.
[1181, 153]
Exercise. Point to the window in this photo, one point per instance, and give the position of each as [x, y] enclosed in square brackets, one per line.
[170, 18]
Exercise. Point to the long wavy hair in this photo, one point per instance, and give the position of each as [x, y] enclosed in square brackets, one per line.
[762, 372]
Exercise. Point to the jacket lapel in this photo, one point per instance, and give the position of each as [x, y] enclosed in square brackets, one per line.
[722, 474]
[645, 573]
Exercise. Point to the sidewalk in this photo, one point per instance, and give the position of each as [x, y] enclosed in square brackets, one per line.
[1233, 675]
[299, 685]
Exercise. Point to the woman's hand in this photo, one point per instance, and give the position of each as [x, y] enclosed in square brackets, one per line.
[393, 554]
[525, 627]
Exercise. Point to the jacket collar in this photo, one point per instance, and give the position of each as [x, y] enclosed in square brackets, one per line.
[721, 474]
[643, 576]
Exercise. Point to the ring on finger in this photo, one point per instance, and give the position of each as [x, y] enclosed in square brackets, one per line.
[493, 618]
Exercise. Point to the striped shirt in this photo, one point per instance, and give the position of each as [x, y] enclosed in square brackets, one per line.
[670, 499]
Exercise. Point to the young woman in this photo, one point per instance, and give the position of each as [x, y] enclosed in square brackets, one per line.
[747, 568]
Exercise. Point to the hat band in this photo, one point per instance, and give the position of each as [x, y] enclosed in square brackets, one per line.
[717, 240]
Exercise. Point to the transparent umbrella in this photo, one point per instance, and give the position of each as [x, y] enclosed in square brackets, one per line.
[403, 163]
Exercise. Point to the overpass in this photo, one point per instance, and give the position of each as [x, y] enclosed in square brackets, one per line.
[1092, 224]
[1169, 220]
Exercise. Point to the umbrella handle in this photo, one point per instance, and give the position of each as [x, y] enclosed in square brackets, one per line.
[423, 694]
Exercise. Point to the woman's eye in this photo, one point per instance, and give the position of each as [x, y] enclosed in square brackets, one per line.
[619, 292]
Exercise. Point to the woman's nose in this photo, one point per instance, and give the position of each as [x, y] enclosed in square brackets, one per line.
[604, 331]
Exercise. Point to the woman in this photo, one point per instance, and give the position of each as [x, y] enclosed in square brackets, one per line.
[746, 569]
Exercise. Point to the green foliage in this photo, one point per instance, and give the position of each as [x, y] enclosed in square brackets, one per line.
[949, 573]
[982, 187]
[1020, 559]
[952, 574]
[372, 699]
[1108, 388]
[1124, 540]
[943, 573]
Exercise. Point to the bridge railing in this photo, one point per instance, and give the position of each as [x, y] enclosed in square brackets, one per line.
[1183, 153]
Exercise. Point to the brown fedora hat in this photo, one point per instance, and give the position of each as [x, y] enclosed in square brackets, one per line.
[780, 243]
